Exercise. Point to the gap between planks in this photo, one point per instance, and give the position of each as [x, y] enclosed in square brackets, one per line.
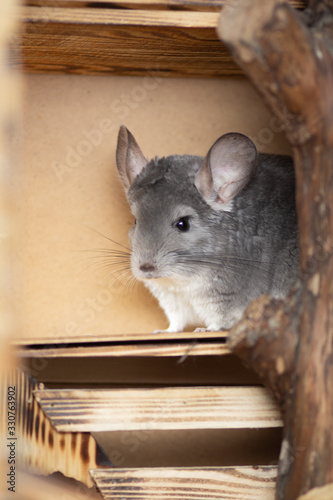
[180, 408]
[201, 5]
[163, 349]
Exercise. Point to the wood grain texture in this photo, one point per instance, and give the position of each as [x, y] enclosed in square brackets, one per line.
[159, 409]
[129, 37]
[237, 483]
[43, 450]
[127, 50]
[127, 42]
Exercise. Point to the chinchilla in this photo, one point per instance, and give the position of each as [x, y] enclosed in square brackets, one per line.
[211, 234]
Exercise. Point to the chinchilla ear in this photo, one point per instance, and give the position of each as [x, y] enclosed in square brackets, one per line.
[129, 157]
[226, 170]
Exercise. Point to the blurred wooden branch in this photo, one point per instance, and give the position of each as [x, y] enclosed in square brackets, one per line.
[289, 58]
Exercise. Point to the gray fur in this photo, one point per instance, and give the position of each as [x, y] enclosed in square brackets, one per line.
[242, 241]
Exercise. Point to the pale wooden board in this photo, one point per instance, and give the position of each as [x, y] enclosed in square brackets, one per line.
[110, 17]
[234, 483]
[177, 408]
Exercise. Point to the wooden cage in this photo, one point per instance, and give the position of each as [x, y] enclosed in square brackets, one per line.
[99, 399]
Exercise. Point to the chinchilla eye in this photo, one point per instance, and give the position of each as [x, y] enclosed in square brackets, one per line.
[183, 224]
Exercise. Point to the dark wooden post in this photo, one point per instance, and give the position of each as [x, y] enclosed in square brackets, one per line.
[288, 55]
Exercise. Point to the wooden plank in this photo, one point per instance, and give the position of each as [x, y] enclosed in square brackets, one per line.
[160, 409]
[98, 41]
[124, 338]
[110, 17]
[136, 350]
[129, 37]
[237, 483]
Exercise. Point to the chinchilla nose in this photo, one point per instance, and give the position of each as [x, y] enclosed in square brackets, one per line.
[147, 267]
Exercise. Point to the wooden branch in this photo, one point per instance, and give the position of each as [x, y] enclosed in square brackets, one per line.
[267, 342]
[291, 344]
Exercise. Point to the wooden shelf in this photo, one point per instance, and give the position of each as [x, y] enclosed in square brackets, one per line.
[60, 429]
[129, 37]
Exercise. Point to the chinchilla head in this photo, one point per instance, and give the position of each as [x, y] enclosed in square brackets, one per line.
[183, 205]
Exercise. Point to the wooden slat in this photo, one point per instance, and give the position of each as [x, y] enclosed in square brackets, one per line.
[127, 42]
[129, 37]
[159, 350]
[114, 338]
[160, 409]
[110, 17]
[236, 483]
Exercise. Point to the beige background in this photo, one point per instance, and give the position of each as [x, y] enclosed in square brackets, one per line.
[67, 188]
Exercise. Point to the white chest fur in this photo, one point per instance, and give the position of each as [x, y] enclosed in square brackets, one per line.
[181, 301]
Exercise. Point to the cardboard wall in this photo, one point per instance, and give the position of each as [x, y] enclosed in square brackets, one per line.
[70, 200]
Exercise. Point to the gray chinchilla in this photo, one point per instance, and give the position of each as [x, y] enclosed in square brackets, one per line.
[213, 233]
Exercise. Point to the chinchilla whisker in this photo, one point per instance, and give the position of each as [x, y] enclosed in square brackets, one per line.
[123, 281]
[115, 260]
[110, 239]
[109, 261]
[107, 251]
[120, 277]
[234, 263]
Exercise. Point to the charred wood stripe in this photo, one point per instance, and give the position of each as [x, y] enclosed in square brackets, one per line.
[42, 448]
